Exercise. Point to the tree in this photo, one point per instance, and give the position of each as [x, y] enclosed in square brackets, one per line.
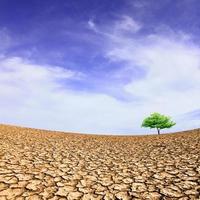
[158, 121]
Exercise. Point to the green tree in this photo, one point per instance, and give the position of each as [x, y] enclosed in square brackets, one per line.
[158, 121]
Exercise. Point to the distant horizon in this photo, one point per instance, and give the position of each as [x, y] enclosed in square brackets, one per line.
[100, 134]
[99, 66]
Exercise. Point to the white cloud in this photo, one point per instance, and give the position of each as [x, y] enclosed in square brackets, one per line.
[32, 95]
[92, 25]
[171, 67]
[127, 23]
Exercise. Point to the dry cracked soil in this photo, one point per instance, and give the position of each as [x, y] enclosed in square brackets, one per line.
[37, 164]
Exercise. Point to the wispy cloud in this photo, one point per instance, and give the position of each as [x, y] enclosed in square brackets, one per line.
[92, 25]
[193, 116]
[127, 23]
[123, 24]
[171, 70]
[152, 70]
[33, 95]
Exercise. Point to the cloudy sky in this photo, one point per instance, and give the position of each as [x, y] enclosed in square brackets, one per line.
[99, 66]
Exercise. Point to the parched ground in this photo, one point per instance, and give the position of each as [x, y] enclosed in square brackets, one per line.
[37, 164]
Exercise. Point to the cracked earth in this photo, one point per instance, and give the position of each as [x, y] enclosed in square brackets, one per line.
[37, 164]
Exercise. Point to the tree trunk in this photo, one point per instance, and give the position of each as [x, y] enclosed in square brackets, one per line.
[158, 131]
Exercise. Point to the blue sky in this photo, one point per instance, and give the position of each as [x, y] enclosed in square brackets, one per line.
[99, 66]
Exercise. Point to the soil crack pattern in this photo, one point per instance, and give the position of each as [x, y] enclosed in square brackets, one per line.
[39, 165]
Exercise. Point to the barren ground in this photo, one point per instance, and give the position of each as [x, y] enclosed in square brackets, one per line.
[37, 164]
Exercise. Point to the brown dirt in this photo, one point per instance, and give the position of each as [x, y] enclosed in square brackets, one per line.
[37, 164]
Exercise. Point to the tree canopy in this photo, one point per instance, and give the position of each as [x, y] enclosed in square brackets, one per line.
[158, 121]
